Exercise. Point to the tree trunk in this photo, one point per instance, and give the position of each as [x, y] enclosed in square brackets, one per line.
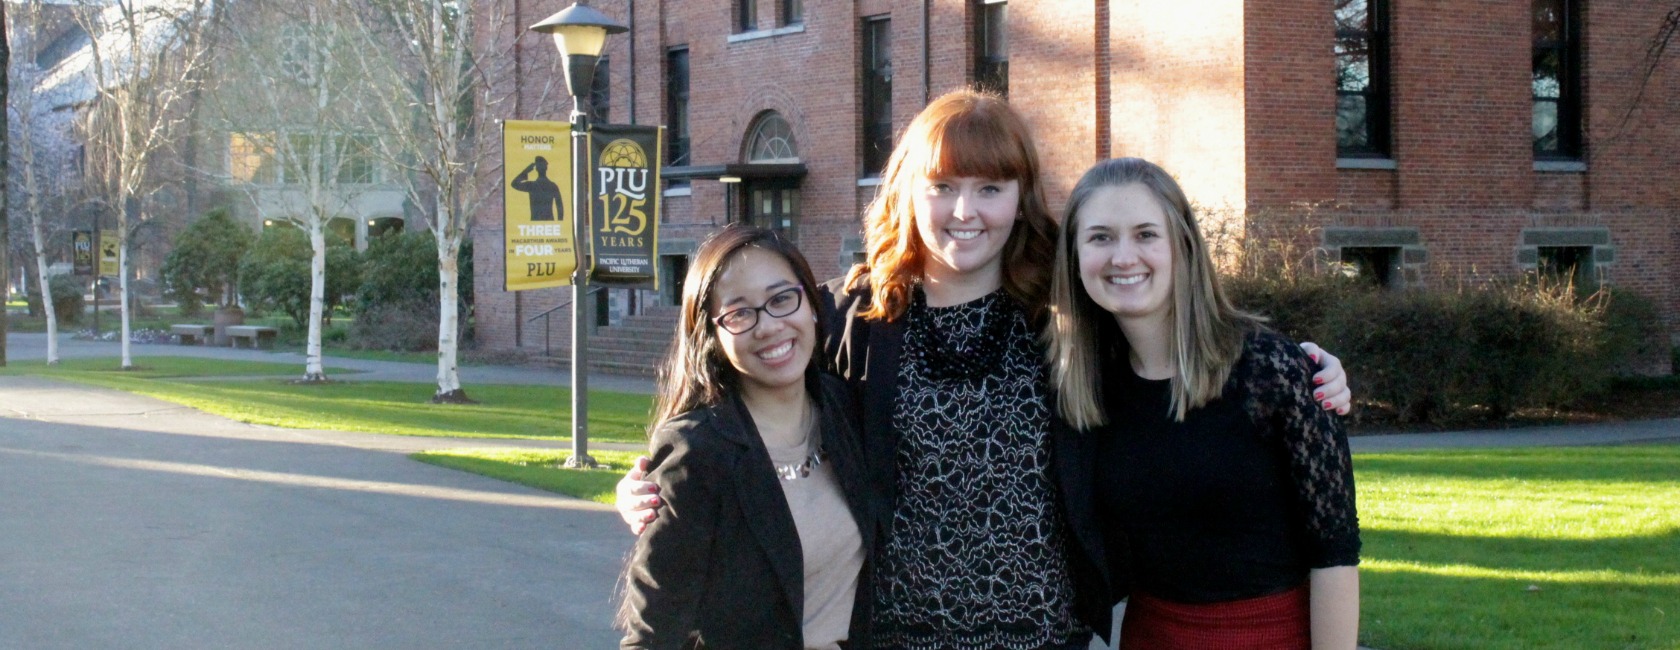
[313, 371]
[449, 318]
[47, 308]
[122, 279]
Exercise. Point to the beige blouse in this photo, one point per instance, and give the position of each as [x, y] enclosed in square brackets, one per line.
[829, 542]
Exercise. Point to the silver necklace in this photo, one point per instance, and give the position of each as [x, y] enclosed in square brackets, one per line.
[813, 438]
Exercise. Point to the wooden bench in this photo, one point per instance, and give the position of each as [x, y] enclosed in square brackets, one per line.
[192, 334]
[260, 336]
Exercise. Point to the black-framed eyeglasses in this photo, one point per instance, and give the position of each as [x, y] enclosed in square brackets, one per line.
[741, 321]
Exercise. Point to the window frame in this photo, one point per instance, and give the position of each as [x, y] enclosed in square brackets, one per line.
[678, 143]
[875, 125]
[793, 12]
[1568, 104]
[1378, 123]
[991, 60]
[746, 16]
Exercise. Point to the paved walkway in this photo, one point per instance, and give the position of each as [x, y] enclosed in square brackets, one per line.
[127, 522]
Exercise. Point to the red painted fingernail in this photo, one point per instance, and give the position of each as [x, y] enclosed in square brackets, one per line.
[655, 501]
[1318, 395]
[1318, 381]
[654, 489]
[1315, 357]
[1326, 405]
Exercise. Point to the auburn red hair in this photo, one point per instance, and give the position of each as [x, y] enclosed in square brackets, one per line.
[962, 133]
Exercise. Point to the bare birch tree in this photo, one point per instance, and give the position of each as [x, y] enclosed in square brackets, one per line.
[430, 85]
[39, 160]
[288, 99]
[144, 57]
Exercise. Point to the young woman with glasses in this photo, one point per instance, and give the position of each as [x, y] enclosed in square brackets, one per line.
[757, 465]
[988, 532]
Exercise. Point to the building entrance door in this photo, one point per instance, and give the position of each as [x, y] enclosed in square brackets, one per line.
[774, 204]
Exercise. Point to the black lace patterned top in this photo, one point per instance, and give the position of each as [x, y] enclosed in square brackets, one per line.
[1242, 498]
[975, 557]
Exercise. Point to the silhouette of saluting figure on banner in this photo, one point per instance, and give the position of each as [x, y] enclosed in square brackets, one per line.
[545, 195]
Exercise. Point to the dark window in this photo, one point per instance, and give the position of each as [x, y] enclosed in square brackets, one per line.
[676, 109]
[1362, 119]
[991, 47]
[1379, 265]
[793, 12]
[746, 15]
[1557, 79]
[1571, 264]
[877, 94]
[600, 93]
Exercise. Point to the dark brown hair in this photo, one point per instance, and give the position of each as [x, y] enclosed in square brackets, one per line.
[695, 372]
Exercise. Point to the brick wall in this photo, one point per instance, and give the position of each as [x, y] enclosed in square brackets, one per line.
[1236, 98]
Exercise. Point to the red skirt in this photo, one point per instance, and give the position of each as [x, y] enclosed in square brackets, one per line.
[1277, 622]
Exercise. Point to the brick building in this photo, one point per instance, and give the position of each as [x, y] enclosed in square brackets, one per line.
[1411, 138]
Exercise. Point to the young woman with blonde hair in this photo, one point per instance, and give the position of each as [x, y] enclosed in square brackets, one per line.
[988, 534]
[1224, 490]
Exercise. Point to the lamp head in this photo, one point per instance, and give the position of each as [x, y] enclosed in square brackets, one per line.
[579, 30]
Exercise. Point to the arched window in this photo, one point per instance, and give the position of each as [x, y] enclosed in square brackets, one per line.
[772, 141]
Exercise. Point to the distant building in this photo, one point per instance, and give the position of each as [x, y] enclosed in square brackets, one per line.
[1409, 139]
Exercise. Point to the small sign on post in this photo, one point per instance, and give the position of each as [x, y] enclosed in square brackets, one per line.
[108, 252]
[536, 192]
[81, 249]
[624, 191]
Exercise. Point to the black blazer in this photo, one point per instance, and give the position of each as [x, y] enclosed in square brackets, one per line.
[721, 567]
[865, 353]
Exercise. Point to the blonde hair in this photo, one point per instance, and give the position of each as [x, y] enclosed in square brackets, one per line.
[1207, 330]
[962, 133]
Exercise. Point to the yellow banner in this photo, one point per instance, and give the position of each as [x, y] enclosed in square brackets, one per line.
[108, 252]
[537, 199]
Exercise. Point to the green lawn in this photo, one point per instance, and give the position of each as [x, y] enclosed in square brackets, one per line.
[504, 411]
[540, 469]
[1563, 548]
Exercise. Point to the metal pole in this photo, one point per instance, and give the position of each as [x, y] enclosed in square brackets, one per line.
[580, 288]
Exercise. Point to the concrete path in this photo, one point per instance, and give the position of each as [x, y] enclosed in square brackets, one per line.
[134, 523]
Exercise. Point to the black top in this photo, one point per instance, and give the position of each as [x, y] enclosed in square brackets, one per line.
[975, 556]
[1238, 501]
[721, 567]
[871, 355]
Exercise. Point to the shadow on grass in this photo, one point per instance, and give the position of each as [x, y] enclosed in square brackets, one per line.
[1407, 609]
[1639, 554]
[1635, 463]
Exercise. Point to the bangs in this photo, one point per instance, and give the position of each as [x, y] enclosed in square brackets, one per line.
[981, 143]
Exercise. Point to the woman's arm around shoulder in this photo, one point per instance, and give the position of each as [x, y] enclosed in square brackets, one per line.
[1321, 469]
[665, 583]
[1279, 379]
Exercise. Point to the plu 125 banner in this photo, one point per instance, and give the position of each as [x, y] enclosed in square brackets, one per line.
[624, 198]
[537, 199]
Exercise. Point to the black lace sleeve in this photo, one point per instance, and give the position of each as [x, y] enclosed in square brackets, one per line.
[1278, 376]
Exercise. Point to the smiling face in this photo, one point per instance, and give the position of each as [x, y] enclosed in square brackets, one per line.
[1125, 253]
[774, 353]
[964, 222]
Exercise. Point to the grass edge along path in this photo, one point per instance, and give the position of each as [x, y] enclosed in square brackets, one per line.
[539, 468]
[396, 408]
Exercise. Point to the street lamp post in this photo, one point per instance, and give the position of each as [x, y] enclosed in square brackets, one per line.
[580, 33]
